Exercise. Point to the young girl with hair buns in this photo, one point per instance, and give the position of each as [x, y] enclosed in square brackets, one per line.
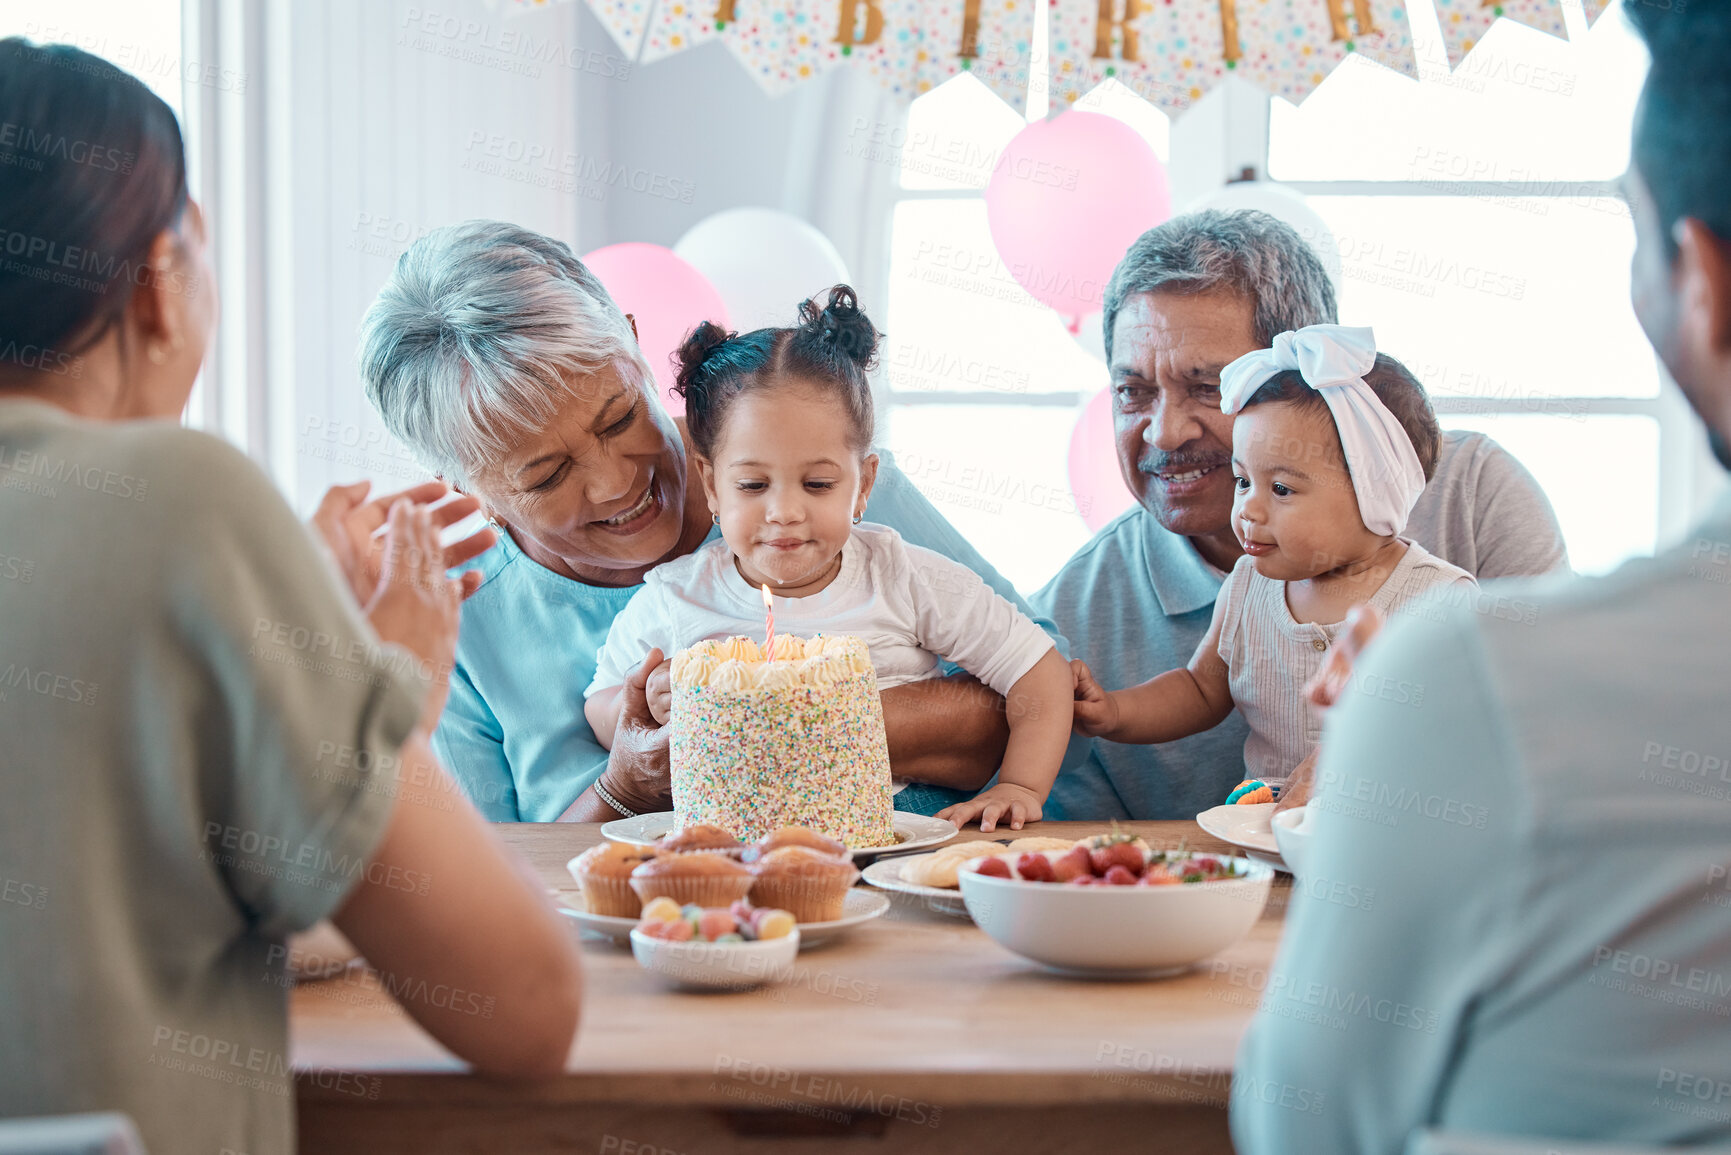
[782, 422]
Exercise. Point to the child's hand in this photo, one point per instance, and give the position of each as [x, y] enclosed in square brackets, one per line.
[1096, 711]
[659, 691]
[1017, 803]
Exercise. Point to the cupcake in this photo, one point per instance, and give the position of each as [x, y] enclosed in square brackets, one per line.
[794, 836]
[699, 877]
[811, 884]
[604, 874]
[702, 836]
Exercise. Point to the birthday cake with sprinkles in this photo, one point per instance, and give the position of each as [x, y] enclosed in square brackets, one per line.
[795, 739]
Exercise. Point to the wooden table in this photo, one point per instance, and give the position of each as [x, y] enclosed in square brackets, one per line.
[915, 1033]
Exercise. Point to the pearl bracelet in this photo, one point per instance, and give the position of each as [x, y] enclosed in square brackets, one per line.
[601, 792]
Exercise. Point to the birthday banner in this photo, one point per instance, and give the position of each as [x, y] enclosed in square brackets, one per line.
[1170, 52]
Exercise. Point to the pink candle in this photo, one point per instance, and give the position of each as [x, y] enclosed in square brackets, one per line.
[769, 625]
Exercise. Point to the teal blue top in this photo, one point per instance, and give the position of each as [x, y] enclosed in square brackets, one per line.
[1514, 916]
[513, 732]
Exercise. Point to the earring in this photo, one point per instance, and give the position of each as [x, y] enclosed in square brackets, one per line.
[715, 518]
[858, 517]
[494, 522]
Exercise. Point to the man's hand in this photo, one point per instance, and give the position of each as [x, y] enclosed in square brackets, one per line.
[1299, 783]
[1096, 711]
[350, 527]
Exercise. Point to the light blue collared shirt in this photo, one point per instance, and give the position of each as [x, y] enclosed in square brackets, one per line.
[513, 732]
[1515, 917]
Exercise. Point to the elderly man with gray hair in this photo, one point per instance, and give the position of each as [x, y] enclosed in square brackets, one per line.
[1188, 298]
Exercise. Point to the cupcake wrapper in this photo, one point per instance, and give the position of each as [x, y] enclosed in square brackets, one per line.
[705, 892]
[807, 899]
[610, 896]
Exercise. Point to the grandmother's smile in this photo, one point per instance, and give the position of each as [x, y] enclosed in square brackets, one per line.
[638, 516]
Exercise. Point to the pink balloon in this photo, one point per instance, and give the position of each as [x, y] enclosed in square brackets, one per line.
[1066, 200]
[666, 296]
[1095, 481]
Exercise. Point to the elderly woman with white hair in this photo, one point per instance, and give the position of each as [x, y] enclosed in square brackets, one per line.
[502, 363]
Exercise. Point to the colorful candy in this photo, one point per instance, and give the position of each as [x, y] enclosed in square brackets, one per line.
[1249, 792]
[742, 922]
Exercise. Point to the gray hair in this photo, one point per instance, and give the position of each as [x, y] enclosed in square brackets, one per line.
[483, 330]
[1243, 250]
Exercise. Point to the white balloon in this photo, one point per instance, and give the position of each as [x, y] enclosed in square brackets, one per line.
[1091, 337]
[763, 262]
[1288, 205]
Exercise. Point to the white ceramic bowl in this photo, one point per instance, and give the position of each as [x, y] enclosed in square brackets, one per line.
[1292, 835]
[716, 966]
[1118, 931]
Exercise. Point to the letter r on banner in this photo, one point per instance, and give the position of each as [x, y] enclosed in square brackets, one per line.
[1108, 22]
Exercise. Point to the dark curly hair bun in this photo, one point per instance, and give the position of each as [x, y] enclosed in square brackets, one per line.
[842, 326]
[695, 354]
[831, 349]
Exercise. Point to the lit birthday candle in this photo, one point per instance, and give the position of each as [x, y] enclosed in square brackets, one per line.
[769, 625]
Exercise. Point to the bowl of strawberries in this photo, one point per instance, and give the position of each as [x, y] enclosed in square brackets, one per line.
[1111, 907]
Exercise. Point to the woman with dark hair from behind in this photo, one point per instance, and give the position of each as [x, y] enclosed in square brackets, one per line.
[202, 733]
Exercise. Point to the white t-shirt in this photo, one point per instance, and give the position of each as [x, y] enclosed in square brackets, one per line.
[912, 607]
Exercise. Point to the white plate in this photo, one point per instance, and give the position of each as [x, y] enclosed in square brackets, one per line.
[912, 831]
[609, 926]
[886, 873]
[860, 906]
[1250, 827]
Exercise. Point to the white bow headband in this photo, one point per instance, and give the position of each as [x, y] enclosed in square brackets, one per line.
[1333, 359]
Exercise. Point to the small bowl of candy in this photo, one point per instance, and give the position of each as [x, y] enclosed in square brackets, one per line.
[1110, 907]
[720, 949]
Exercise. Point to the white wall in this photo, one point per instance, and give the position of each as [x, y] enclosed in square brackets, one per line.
[402, 117]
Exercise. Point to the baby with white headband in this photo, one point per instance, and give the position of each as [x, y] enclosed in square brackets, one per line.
[1332, 446]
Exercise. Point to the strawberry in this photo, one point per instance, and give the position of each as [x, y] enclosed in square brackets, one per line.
[1120, 876]
[1118, 854]
[1158, 875]
[1073, 864]
[1084, 880]
[1034, 867]
[996, 867]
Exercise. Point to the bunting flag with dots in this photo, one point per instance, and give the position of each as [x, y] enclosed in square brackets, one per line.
[1291, 46]
[680, 24]
[1169, 54]
[625, 20]
[1595, 9]
[1465, 22]
[990, 39]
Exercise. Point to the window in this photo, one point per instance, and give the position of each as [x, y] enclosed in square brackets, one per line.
[983, 384]
[1490, 251]
[141, 36]
[1488, 246]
